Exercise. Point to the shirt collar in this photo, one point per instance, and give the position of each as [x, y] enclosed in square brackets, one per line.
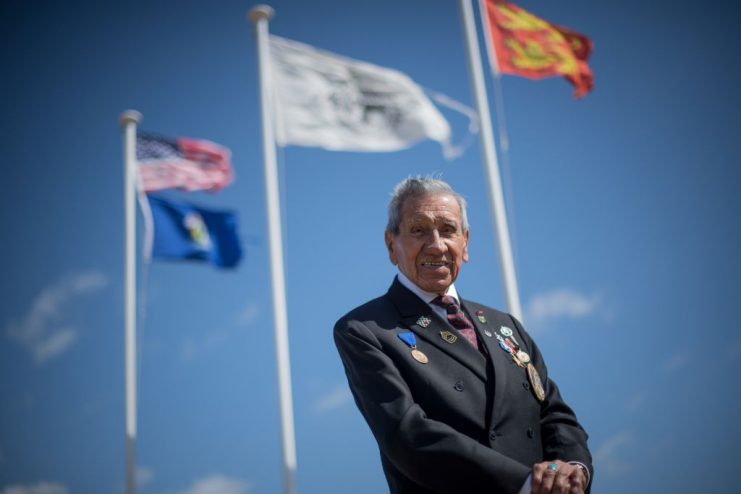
[427, 297]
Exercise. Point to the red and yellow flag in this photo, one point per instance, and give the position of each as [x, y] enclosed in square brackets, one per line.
[528, 46]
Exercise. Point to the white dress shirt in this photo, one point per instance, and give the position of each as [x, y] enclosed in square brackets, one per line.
[428, 297]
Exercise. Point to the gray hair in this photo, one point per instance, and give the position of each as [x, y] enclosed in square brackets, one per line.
[417, 187]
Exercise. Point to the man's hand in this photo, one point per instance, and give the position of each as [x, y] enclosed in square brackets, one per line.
[566, 479]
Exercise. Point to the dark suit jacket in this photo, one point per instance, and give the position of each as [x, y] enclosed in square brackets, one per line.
[462, 423]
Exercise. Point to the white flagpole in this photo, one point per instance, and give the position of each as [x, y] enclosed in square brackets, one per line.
[129, 120]
[260, 15]
[493, 179]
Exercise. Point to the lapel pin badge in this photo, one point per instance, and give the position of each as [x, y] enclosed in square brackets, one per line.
[482, 318]
[506, 332]
[448, 336]
[424, 321]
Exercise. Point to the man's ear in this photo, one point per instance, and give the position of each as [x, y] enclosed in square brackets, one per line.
[465, 247]
[388, 237]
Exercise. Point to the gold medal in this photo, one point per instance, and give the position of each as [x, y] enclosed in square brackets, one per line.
[411, 341]
[419, 356]
[535, 382]
[517, 361]
[448, 336]
[523, 357]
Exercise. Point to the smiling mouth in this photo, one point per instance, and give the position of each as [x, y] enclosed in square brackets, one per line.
[436, 264]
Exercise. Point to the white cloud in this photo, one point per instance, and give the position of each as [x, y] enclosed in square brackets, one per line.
[248, 315]
[561, 303]
[54, 344]
[676, 362]
[39, 488]
[43, 330]
[635, 402]
[217, 484]
[144, 475]
[188, 349]
[337, 397]
[192, 348]
[606, 456]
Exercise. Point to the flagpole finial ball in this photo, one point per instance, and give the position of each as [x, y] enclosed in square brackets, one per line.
[260, 12]
[130, 116]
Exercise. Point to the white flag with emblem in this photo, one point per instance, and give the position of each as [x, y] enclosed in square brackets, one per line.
[328, 101]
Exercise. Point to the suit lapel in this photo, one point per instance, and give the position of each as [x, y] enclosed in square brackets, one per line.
[414, 311]
[499, 358]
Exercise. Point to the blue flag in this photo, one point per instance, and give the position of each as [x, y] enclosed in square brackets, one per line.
[184, 231]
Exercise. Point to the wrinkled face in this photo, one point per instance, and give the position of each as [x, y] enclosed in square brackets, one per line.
[431, 244]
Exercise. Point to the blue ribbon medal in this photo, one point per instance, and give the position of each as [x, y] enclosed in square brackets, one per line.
[411, 341]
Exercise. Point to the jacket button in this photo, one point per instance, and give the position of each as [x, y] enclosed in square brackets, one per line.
[458, 386]
[493, 435]
[530, 432]
[526, 385]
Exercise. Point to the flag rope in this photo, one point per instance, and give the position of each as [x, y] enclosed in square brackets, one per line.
[451, 151]
[503, 141]
[502, 133]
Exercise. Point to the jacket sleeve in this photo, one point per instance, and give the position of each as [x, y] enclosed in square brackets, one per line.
[428, 452]
[562, 436]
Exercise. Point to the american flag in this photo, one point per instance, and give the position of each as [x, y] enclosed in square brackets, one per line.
[182, 163]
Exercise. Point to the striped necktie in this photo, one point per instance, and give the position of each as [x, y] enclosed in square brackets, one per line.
[457, 318]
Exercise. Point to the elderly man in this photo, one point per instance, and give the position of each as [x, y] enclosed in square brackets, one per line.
[456, 394]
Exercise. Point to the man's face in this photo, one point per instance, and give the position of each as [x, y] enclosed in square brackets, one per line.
[431, 244]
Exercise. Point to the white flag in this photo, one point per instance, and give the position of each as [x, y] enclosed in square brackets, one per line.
[328, 101]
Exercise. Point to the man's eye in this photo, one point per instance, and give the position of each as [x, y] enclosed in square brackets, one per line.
[417, 231]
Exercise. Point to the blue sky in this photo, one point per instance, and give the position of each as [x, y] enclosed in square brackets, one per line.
[623, 208]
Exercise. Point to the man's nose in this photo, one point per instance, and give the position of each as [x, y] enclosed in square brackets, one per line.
[435, 242]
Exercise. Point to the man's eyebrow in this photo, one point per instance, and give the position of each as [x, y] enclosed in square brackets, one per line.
[423, 218]
[419, 217]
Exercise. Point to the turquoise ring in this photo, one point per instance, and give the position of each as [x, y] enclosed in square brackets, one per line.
[552, 466]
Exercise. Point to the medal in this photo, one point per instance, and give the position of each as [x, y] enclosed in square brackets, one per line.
[423, 321]
[535, 383]
[419, 356]
[411, 342]
[448, 336]
[512, 348]
[519, 357]
[523, 357]
[515, 354]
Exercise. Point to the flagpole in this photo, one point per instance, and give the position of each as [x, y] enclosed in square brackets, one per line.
[129, 120]
[260, 15]
[493, 178]
[498, 93]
